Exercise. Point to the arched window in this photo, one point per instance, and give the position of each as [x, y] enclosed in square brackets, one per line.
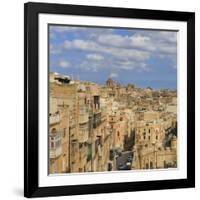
[53, 130]
[118, 133]
[151, 165]
[165, 164]
[147, 165]
[52, 145]
[144, 135]
[156, 137]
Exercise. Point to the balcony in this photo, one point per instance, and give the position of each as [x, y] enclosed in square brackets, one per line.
[54, 119]
[96, 110]
[103, 117]
[83, 137]
[72, 122]
[83, 133]
[83, 152]
[96, 120]
[83, 118]
[55, 152]
[55, 143]
[74, 149]
[99, 151]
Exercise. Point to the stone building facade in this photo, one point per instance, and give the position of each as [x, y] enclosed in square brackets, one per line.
[91, 126]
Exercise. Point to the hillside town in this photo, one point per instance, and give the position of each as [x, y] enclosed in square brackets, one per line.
[110, 127]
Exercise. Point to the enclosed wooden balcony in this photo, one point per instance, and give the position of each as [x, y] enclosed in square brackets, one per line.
[54, 118]
[55, 145]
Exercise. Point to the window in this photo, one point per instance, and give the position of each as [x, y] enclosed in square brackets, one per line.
[80, 169]
[52, 145]
[156, 137]
[53, 130]
[144, 135]
[147, 166]
[151, 165]
[64, 132]
[97, 102]
[58, 143]
[164, 163]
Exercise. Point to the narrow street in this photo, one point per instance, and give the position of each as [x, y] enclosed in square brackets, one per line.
[124, 161]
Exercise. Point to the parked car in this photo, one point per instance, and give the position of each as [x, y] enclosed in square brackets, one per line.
[122, 167]
[128, 165]
[129, 158]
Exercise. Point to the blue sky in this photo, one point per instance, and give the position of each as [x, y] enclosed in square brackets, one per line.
[142, 57]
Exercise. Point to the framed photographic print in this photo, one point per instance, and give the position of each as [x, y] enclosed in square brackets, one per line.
[109, 99]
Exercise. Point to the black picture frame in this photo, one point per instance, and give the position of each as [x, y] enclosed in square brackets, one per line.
[31, 112]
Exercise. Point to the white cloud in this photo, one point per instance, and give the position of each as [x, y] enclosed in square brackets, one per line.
[63, 64]
[120, 53]
[113, 39]
[131, 65]
[53, 49]
[157, 42]
[105, 56]
[133, 41]
[81, 44]
[113, 75]
[104, 48]
[96, 57]
[91, 65]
